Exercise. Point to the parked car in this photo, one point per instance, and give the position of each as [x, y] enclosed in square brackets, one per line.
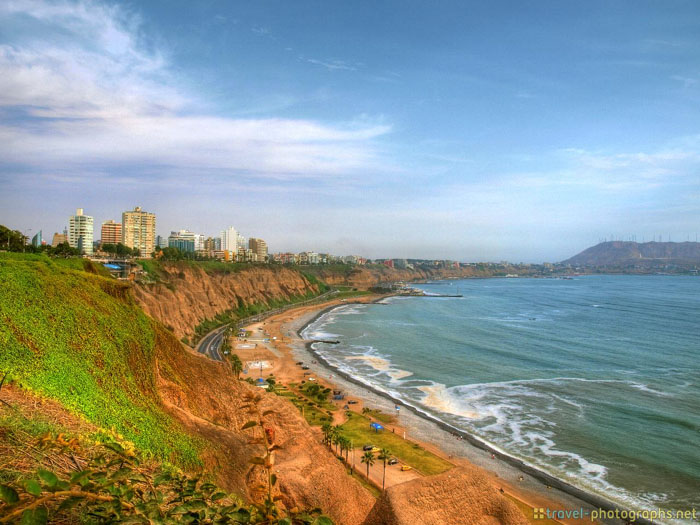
[393, 461]
[300, 363]
[368, 447]
[405, 467]
[304, 367]
[352, 402]
[376, 449]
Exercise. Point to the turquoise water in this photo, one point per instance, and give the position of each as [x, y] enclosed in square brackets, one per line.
[595, 380]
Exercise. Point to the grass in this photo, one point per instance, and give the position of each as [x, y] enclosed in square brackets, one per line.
[312, 412]
[357, 429]
[352, 293]
[380, 416]
[76, 337]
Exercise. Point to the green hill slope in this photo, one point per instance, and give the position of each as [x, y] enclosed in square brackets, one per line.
[72, 335]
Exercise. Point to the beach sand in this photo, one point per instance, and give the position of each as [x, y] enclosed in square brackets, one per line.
[288, 348]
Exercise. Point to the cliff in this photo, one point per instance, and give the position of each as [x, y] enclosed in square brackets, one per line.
[206, 400]
[367, 277]
[185, 294]
[643, 255]
[461, 495]
[80, 340]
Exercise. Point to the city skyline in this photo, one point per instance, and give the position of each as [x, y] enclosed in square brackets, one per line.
[460, 131]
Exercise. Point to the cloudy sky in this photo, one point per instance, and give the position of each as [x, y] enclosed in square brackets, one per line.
[519, 130]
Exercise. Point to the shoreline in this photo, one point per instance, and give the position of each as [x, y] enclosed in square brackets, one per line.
[546, 486]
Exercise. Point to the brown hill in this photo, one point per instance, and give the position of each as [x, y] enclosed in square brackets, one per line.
[185, 295]
[650, 254]
[205, 398]
[462, 495]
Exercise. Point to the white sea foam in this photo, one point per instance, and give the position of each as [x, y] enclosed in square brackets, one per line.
[376, 362]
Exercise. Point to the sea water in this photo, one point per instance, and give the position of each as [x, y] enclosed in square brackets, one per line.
[595, 380]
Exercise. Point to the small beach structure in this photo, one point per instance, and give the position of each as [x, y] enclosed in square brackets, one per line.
[376, 426]
[261, 383]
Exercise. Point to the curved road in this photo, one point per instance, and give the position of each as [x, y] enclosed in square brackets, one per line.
[210, 344]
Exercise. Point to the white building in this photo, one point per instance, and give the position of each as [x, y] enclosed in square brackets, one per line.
[80, 232]
[199, 242]
[241, 242]
[229, 239]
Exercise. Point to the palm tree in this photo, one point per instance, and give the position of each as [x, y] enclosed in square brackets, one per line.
[347, 444]
[384, 455]
[336, 437]
[236, 365]
[368, 458]
[327, 430]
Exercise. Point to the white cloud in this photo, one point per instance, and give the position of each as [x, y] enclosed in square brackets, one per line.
[92, 92]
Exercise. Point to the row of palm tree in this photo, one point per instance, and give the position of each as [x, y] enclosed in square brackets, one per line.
[332, 437]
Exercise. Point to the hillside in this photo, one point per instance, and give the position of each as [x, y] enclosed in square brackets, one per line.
[640, 255]
[80, 339]
[369, 276]
[185, 295]
[191, 298]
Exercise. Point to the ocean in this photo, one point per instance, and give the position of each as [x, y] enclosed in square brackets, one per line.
[595, 380]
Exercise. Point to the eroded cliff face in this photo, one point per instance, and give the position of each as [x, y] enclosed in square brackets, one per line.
[361, 277]
[206, 398]
[188, 295]
[461, 495]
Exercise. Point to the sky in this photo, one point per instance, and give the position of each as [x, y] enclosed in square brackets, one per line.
[476, 131]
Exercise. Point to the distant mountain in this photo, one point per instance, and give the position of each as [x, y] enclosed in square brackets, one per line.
[643, 255]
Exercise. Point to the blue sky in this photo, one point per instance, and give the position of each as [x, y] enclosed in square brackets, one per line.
[516, 130]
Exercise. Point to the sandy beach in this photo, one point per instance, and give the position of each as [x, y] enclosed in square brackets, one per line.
[277, 342]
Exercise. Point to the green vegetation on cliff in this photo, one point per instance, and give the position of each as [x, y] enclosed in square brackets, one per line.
[77, 337]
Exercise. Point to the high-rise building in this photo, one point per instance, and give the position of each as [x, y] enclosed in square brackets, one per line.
[183, 240]
[59, 238]
[241, 242]
[37, 240]
[229, 239]
[212, 244]
[111, 232]
[139, 231]
[259, 248]
[161, 242]
[199, 242]
[80, 232]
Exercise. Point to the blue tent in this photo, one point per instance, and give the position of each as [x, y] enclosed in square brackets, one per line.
[376, 426]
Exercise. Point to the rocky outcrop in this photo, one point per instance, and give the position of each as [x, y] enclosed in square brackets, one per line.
[462, 495]
[186, 295]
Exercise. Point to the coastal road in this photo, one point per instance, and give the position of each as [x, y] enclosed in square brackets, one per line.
[211, 343]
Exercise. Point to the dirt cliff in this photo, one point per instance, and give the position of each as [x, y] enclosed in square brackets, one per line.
[186, 295]
[206, 398]
[462, 495]
[366, 277]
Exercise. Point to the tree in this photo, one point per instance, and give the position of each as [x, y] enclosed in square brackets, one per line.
[327, 430]
[11, 240]
[345, 446]
[368, 457]
[63, 250]
[384, 456]
[335, 439]
[236, 365]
